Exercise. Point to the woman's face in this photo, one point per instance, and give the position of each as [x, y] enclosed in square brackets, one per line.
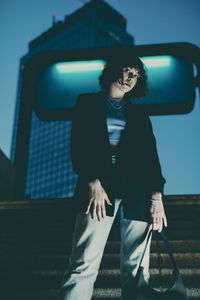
[129, 79]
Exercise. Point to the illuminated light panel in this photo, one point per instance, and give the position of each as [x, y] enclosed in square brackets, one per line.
[81, 66]
[157, 61]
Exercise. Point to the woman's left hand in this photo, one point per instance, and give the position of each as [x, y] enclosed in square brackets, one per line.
[157, 212]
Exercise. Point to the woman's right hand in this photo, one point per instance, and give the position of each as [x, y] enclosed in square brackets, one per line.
[98, 197]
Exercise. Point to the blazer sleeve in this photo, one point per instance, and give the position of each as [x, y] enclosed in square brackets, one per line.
[157, 180]
[81, 140]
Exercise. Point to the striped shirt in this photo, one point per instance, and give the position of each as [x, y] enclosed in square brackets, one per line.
[116, 120]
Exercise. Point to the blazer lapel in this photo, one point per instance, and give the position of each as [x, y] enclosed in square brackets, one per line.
[102, 117]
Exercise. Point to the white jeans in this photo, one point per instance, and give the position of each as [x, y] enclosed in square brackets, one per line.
[90, 237]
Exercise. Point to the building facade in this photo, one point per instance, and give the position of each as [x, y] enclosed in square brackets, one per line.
[47, 166]
[7, 175]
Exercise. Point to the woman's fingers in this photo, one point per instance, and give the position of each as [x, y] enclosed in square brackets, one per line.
[108, 201]
[158, 215]
[89, 205]
[158, 223]
[94, 210]
[165, 220]
[98, 209]
[103, 212]
[102, 209]
[99, 216]
[98, 198]
[156, 220]
[155, 223]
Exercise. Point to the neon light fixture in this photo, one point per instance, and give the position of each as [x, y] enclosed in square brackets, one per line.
[157, 61]
[81, 66]
[98, 65]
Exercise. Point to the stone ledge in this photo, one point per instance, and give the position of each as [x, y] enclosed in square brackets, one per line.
[39, 203]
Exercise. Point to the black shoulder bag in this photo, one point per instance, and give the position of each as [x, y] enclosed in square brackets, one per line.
[143, 291]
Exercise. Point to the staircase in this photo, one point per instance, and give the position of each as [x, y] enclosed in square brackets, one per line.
[35, 243]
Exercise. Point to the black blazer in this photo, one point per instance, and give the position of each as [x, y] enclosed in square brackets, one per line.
[92, 158]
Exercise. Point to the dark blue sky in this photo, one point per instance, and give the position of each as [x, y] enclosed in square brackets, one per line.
[150, 22]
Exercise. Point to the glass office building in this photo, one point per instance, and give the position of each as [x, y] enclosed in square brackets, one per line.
[49, 171]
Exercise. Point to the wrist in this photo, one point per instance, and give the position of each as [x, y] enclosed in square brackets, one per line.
[94, 182]
[156, 196]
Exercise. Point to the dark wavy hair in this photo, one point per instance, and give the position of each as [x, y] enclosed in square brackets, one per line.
[114, 69]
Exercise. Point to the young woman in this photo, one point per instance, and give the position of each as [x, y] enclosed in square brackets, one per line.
[113, 150]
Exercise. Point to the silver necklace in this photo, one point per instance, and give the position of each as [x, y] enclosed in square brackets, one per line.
[116, 104]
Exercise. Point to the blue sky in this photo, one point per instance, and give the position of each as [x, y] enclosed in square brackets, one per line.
[150, 22]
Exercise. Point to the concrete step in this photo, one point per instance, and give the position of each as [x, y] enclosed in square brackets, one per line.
[107, 278]
[99, 294]
[50, 262]
[115, 294]
[34, 255]
[111, 277]
[43, 235]
[104, 293]
[61, 226]
[62, 247]
[56, 210]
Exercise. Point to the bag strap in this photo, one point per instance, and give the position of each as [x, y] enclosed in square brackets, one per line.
[169, 251]
[159, 261]
[167, 246]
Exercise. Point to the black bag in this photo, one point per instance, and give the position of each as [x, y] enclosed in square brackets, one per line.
[143, 291]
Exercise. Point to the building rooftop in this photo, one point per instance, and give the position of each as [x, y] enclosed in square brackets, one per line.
[105, 12]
